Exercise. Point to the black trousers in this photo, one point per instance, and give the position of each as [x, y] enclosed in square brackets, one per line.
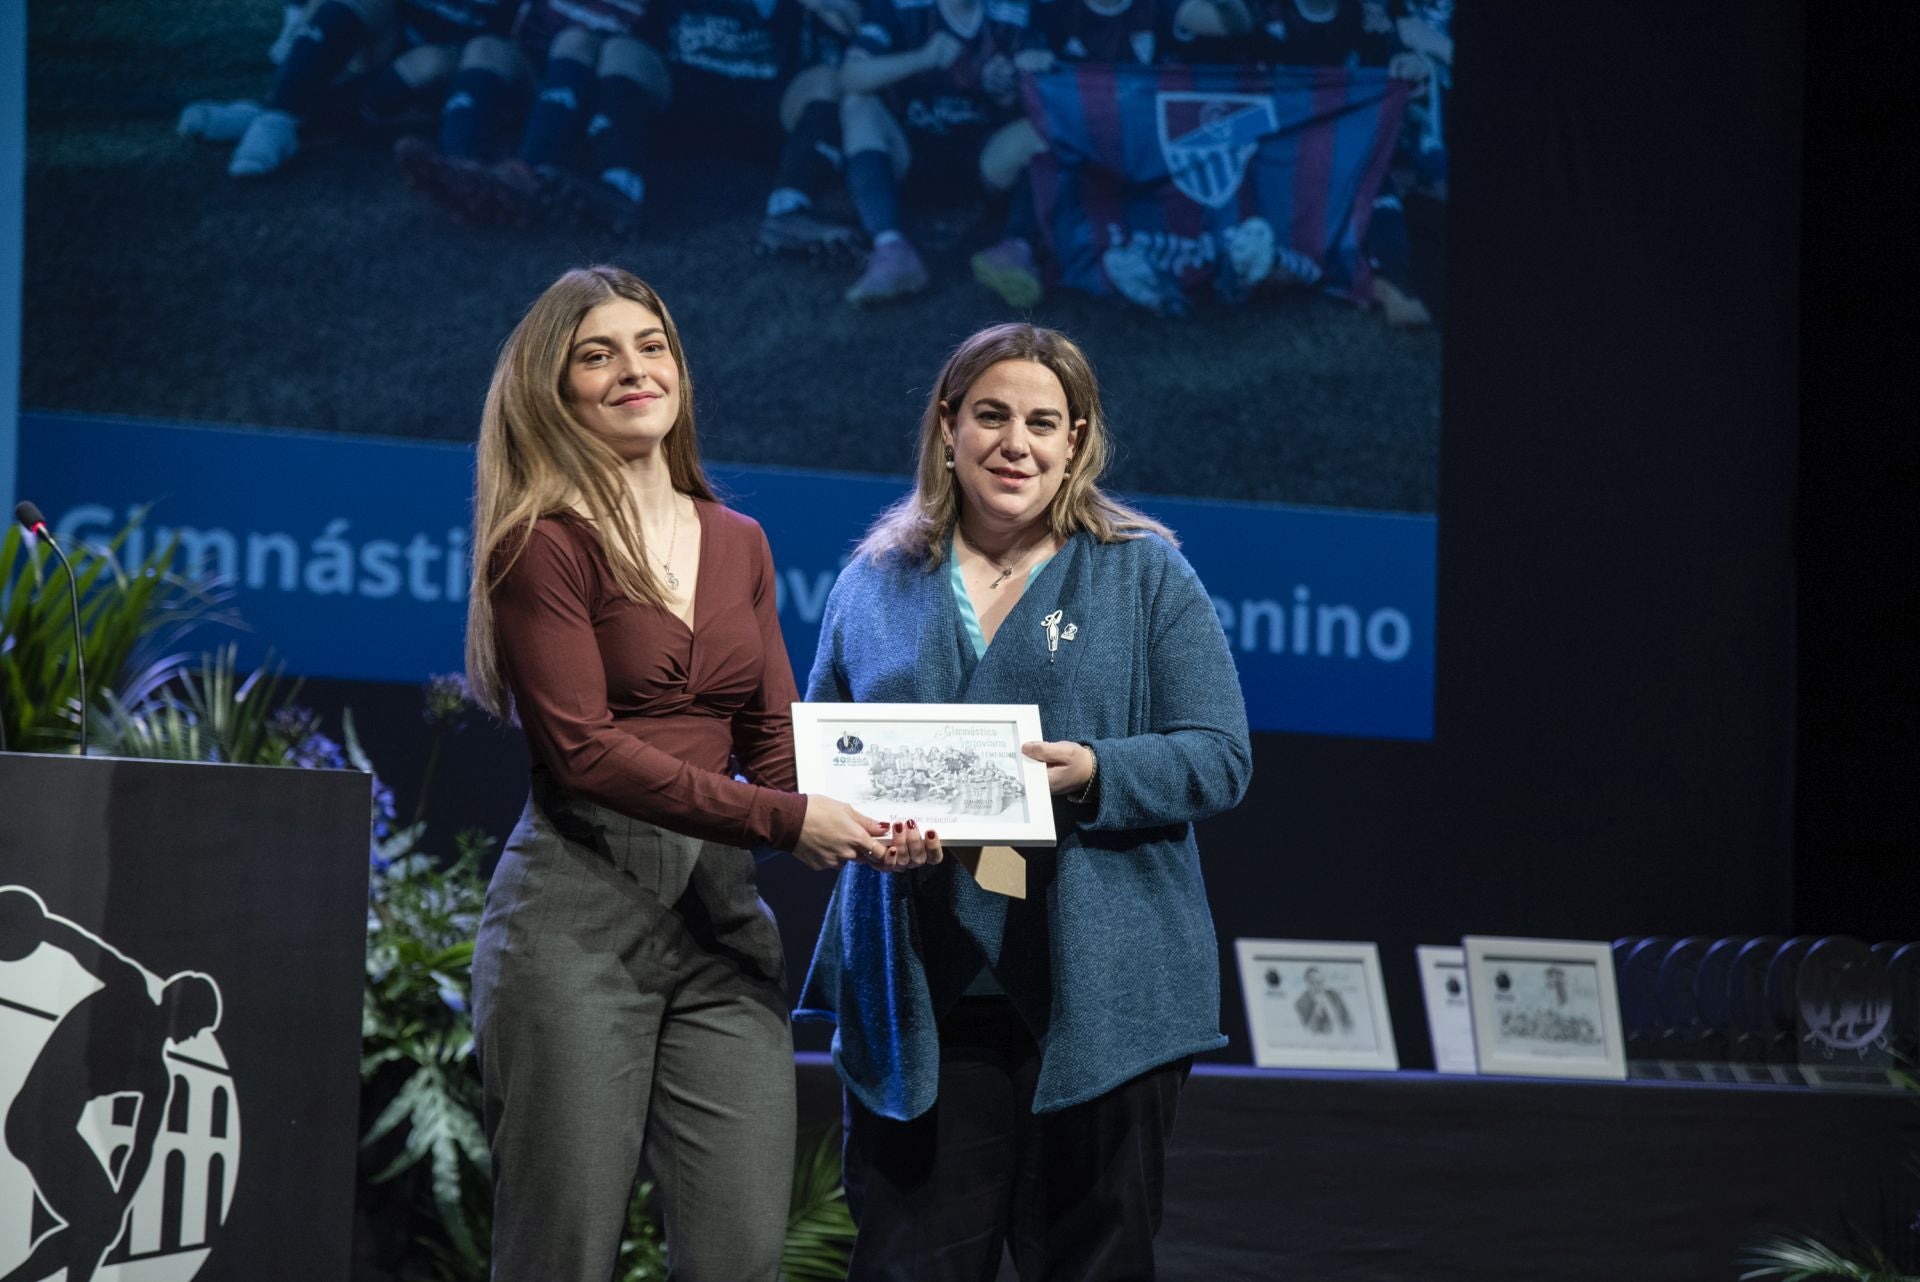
[1075, 1194]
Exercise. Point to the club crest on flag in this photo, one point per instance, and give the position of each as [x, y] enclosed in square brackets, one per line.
[1208, 138]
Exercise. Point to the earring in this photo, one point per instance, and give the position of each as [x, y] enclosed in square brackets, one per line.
[949, 458]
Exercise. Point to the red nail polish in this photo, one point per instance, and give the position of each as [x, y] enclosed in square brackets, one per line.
[932, 835]
[911, 824]
[897, 827]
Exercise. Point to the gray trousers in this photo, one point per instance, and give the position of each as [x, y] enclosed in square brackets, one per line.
[628, 1001]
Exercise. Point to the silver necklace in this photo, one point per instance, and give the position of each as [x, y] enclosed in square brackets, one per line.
[673, 541]
[1006, 571]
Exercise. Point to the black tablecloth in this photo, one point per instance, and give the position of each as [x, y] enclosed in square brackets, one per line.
[1385, 1177]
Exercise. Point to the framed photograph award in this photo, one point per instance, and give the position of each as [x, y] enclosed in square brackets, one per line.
[1545, 1008]
[1314, 1004]
[956, 768]
[1443, 982]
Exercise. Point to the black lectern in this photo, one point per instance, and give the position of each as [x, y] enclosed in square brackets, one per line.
[181, 960]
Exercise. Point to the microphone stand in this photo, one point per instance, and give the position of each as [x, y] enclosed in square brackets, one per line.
[36, 524]
[79, 650]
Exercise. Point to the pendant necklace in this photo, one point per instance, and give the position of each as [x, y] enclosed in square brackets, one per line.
[1006, 571]
[666, 562]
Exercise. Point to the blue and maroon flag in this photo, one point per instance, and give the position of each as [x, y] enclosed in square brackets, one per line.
[1164, 180]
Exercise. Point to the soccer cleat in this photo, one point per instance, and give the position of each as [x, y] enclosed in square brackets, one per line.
[628, 183]
[1133, 275]
[420, 167]
[1129, 272]
[798, 232]
[293, 18]
[894, 270]
[1250, 249]
[514, 191]
[568, 196]
[217, 121]
[1008, 270]
[472, 192]
[1401, 311]
[1246, 258]
[270, 140]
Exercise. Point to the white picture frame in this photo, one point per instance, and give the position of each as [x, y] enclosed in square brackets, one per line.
[1545, 1008]
[954, 768]
[1443, 985]
[1316, 1004]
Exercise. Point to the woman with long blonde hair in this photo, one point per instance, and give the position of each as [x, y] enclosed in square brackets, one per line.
[1012, 1065]
[628, 981]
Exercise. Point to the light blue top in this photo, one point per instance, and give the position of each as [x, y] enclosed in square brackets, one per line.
[1111, 959]
[964, 603]
[984, 984]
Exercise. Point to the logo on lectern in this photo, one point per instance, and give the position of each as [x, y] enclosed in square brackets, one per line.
[120, 1123]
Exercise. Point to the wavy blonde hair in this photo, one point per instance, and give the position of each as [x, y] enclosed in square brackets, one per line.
[534, 458]
[920, 526]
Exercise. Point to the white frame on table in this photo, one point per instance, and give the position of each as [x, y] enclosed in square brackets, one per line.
[1436, 962]
[1488, 954]
[817, 728]
[1257, 955]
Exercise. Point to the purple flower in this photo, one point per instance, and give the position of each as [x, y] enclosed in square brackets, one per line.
[307, 747]
[447, 701]
[310, 749]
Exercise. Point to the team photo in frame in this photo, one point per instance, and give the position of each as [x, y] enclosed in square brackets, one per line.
[1545, 1008]
[956, 768]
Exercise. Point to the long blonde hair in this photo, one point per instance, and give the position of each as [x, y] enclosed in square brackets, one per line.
[920, 526]
[535, 458]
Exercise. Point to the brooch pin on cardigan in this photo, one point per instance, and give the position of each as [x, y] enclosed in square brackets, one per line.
[1056, 634]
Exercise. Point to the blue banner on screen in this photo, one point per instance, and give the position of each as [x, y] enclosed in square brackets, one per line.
[348, 556]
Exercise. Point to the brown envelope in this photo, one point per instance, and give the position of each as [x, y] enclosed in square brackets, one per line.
[1001, 869]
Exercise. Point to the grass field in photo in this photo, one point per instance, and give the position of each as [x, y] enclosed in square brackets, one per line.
[330, 297]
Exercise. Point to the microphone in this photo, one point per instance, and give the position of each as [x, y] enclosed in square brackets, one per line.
[35, 524]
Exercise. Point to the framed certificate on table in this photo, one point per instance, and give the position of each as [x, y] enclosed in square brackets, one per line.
[955, 768]
[1443, 982]
[1316, 1004]
[1545, 1008]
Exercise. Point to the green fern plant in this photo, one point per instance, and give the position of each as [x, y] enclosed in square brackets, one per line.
[1808, 1259]
[416, 1026]
[127, 615]
[207, 714]
[1804, 1258]
[643, 1254]
[820, 1228]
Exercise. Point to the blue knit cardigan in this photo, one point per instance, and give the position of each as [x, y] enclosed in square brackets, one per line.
[1111, 959]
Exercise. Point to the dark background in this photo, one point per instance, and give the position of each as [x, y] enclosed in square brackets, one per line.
[1677, 508]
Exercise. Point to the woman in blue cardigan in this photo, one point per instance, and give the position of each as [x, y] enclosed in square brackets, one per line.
[1012, 1065]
